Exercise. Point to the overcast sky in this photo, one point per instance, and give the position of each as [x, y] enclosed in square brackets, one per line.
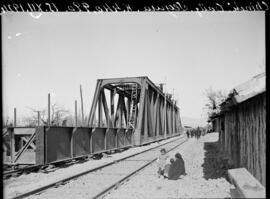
[56, 52]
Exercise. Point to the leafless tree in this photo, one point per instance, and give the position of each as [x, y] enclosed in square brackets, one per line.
[59, 116]
[80, 122]
[6, 122]
[214, 99]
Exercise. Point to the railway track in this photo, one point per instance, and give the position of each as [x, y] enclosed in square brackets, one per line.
[33, 168]
[110, 175]
[9, 173]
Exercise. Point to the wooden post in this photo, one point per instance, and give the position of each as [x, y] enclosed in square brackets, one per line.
[82, 104]
[173, 115]
[171, 120]
[15, 117]
[49, 110]
[76, 113]
[38, 117]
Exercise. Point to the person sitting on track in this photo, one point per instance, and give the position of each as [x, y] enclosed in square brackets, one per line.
[177, 168]
[161, 161]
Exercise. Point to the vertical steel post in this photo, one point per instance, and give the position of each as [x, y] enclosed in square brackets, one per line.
[82, 104]
[94, 103]
[105, 108]
[72, 142]
[12, 146]
[49, 110]
[138, 129]
[15, 117]
[76, 113]
[112, 108]
[121, 109]
[146, 116]
[100, 113]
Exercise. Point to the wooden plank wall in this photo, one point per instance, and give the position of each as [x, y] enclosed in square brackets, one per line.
[245, 136]
[221, 133]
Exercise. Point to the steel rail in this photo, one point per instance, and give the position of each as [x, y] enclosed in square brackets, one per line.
[106, 190]
[20, 170]
[37, 190]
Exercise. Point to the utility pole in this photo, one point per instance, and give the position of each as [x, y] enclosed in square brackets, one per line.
[82, 104]
[38, 116]
[15, 117]
[173, 112]
[75, 112]
[38, 112]
[49, 108]
[165, 110]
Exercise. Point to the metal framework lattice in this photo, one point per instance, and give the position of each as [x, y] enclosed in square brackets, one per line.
[143, 110]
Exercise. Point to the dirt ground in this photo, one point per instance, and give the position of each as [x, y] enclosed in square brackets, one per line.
[206, 169]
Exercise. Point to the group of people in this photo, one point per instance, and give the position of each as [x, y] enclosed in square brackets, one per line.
[194, 133]
[169, 167]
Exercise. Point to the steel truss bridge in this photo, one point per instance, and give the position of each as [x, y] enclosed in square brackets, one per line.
[125, 112]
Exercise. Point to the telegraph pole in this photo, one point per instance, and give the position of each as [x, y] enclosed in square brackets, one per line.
[82, 104]
[49, 109]
[165, 111]
[75, 112]
[173, 113]
[38, 113]
[38, 116]
[15, 117]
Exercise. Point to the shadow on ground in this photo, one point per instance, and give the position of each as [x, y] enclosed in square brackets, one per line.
[216, 164]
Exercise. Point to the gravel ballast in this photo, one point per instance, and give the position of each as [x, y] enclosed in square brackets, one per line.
[206, 170]
[26, 182]
[198, 183]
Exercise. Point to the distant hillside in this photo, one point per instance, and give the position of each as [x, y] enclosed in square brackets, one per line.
[193, 122]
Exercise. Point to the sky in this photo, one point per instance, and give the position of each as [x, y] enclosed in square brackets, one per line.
[56, 52]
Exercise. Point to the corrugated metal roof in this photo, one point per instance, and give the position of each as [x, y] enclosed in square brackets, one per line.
[251, 88]
[248, 89]
[243, 92]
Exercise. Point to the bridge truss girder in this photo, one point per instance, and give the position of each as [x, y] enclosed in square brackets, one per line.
[150, 109]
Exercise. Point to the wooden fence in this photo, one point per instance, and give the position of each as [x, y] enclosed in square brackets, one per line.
[243, 137]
